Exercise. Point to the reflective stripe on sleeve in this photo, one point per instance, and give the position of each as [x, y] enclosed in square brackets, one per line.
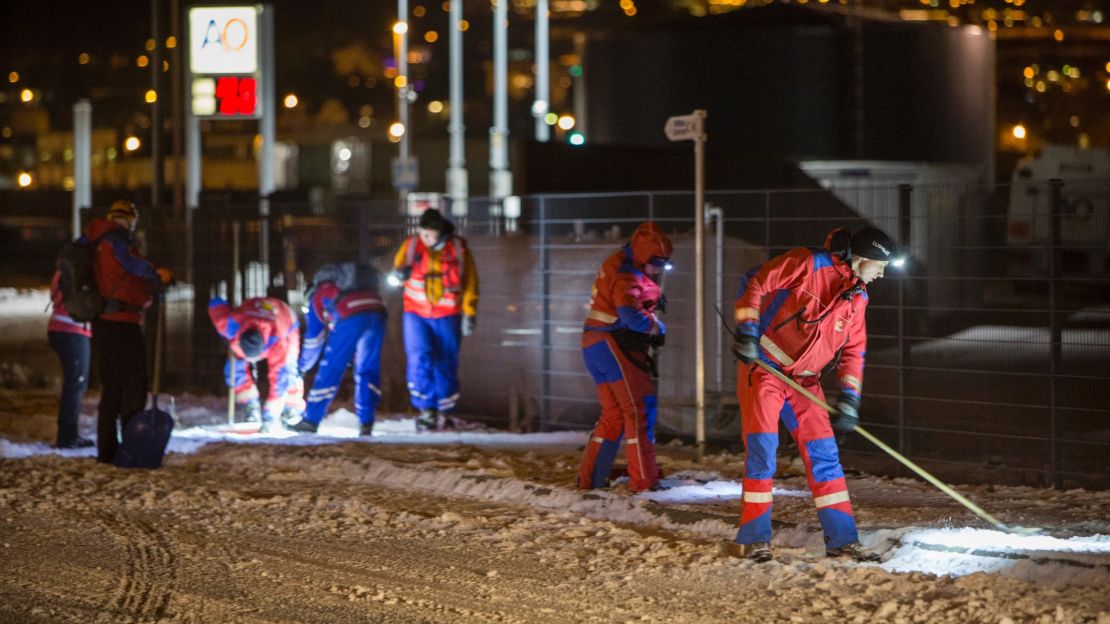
[598, 315]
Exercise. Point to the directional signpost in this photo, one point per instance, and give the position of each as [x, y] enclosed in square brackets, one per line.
[692, 128]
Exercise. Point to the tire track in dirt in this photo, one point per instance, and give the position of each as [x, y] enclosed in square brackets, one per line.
[149, 572]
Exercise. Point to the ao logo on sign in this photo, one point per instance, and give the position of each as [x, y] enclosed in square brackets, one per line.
[233, 37]
[223, 40]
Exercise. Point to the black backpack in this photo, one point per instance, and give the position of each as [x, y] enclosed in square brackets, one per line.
[351, 276]
[76, 282]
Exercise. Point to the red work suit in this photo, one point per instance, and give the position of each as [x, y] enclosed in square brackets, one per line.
[804, 306]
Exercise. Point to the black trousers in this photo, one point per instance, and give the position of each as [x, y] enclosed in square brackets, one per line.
[121, 359]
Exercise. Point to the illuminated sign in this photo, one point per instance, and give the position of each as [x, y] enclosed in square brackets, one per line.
[224, 46]
[223, 40]
[225, 96]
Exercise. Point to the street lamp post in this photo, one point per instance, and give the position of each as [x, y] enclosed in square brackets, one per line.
[403, 89]
[457, 183]
[541, 105]
[501, 179]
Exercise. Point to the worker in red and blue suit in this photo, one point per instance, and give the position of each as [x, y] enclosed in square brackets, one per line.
[341, 325]
[796, 313]
[262, 328]
[621, 327]
[440, 308]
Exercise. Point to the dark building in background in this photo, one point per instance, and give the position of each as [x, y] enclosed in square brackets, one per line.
[787, 83]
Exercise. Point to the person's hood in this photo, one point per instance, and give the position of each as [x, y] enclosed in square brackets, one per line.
[100, 226]
[649, 241]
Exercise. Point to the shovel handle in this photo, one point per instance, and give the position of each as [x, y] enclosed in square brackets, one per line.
[943, 487]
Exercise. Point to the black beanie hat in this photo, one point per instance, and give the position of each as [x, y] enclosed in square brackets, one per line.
[250, 343]
[873, 244]
[433, 220]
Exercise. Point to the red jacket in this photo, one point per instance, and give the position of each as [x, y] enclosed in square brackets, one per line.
[125, 278]
[624, 298]
[274, 320]
[806, 305]
[60, 320]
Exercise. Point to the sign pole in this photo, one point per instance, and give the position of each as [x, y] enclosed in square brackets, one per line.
[682, 128]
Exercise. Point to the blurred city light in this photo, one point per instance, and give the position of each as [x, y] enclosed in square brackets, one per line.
[171, 42]
[431, 36]
[400, 28]
[435, 107]
[566, 122]
[151, 96]
[1019, 131]
[400, 82]
[464, 25]
[13, 77]
[291, 101]
[142, 61]
[24, 180]
[551, 119]
[26, 95]
[131, 143]
[576, 138]
[397, 130]
[83, 58]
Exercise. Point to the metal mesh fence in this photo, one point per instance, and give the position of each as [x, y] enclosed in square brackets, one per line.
[990, 349]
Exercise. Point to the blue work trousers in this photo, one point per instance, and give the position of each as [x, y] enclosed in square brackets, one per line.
[359, 336]
[432, 354]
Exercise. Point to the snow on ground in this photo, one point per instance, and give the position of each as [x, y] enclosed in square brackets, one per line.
[477, 525]
[480, 525]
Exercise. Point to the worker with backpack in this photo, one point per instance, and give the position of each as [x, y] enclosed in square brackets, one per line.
[345, 322]
[440, 282]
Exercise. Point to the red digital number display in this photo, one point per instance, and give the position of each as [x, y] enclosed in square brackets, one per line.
[236, 96]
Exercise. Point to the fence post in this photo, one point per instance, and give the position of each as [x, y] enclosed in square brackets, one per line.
[905, 230]
[1056, 187]
[545, 293]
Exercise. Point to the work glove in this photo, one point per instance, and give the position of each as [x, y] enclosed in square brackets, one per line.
[396, 277]
[469, 324]
[745, 348]
[165, 276]
[657, 340]
[848, 417]
[661, 305]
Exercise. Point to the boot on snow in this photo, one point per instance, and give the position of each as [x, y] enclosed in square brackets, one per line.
[252, 412]
[427, 420]
[366, 430]
[759, 552]
[303, 426]
[75, 443]
[853, 551]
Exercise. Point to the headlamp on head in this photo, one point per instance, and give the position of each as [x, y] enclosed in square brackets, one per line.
[661, 263]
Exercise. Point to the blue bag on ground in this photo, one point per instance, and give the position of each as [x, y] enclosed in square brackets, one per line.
[145, 438]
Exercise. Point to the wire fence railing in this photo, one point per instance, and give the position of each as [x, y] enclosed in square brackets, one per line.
[990, 350]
